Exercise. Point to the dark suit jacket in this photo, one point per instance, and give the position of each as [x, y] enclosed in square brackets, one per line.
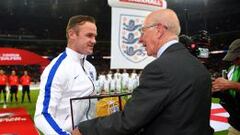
[173, 98]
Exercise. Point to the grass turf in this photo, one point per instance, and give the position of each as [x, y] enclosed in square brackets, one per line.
[30, 107]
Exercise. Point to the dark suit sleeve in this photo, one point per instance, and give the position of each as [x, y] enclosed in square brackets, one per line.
[146, 103]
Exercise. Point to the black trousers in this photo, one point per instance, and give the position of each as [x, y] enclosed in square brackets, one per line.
[13, 91]
[24, 90]
[3, 89]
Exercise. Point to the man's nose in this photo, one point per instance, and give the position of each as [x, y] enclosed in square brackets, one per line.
[94, 40]
[140, 39]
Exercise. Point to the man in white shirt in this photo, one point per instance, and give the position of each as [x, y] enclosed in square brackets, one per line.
[68, 76]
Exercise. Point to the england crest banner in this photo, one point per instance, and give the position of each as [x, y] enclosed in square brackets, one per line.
[127, 18]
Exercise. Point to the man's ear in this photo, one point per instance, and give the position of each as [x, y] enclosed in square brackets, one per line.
[159, 32]
[71, 34]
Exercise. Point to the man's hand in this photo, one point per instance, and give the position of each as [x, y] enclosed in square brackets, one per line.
[76, 132]
[220, 84]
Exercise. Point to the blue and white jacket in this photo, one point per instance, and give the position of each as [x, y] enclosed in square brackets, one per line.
[62, 79]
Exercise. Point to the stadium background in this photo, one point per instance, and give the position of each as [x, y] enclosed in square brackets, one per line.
[39, 26]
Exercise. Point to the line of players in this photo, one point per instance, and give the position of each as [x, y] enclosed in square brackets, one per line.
[117, 82]
[11, 83]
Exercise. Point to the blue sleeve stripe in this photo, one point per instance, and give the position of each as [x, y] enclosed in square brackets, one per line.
[47, 95]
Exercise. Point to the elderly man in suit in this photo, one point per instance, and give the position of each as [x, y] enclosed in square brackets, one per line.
[174, 95]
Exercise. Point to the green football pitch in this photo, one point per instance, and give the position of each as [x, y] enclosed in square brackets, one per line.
[30, 107]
